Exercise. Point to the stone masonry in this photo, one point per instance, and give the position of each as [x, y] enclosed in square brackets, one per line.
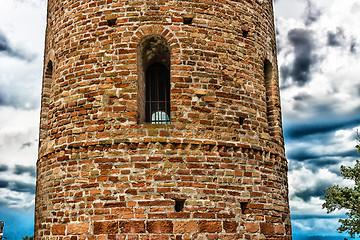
[216, 171]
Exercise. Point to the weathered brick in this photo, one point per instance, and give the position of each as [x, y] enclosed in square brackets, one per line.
[58, 229]
[267, 228]
[164, 226]
[77, 228]
[210, 226]
[132, 226]
[252, 227]
[279, 229]
[185, 227]
[106, 227]
[230, 226]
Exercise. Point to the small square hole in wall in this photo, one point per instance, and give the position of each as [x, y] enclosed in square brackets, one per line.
[111, 22]
[243, 207]
[241, 117]
[241, 120]
[179, 205]
[188, 20]
[245, 33]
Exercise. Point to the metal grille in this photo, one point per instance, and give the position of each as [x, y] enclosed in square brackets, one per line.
[157, 106]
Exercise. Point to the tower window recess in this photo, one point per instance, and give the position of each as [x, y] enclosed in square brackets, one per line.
[49, 70]
[268, 76]
[154, 80]
[111, 22]
[267, 71]
[157, 84]
[245, 33]
[179, 205]
[243, 206]
[45, 101]
[242, 117]
[187, 20]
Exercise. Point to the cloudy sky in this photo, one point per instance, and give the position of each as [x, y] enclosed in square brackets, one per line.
[318, 53]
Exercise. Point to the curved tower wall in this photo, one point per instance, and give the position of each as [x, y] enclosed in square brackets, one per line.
[216, 171]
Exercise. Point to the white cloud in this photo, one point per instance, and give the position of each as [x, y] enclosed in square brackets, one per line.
[320, 226]
[24, 23]
[18, 151]
[18, 127]
[20, 200]
[22, 32]
[23, 27]
[335, 77]
[308, 178]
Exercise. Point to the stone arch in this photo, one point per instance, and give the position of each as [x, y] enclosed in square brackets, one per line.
[45, 95]
[156, 45]
[50, 56]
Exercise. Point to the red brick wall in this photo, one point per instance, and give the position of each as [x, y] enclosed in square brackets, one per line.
[103, 174]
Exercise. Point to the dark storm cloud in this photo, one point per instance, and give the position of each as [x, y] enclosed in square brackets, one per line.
[296, 131]
[301, 155]
[19, 169]
[4, 44]
[315, 160]
[13, 199]
[4, 184]
[279, 45]
[314, 191]
[22, 187]
[358, 90]
[337, 38]
[306, 103]
[312, 13]
[302, 96]
[304, 46]
[18, 186]
[25, 145]
[3, 168]
[8, 50]
[353, 46]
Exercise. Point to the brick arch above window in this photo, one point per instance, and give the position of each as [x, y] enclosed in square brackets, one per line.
[154, 64]
[159, 30]
[161, 39]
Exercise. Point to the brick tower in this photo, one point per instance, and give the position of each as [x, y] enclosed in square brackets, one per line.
[161, 119]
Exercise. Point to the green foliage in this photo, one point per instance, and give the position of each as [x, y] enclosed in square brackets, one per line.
[28, 238]
[346, 198]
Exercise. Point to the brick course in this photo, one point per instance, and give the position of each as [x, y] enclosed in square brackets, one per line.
[105, 174]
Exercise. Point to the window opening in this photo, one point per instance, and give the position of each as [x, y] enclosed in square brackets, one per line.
[245, 33]
[187, 20]
[242, 117]
[154, 80]
[267, 71]
[243, 206]
[268, 75]
[179, 205]
[241, 120]
[157, 84]
[45, 101]
[111, 22]
[49, 70]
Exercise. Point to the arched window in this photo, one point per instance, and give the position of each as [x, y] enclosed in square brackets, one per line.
[268, 75]
[45, 101]
[154, 80]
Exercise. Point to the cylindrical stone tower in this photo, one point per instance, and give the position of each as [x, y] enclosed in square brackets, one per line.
[161, 119]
